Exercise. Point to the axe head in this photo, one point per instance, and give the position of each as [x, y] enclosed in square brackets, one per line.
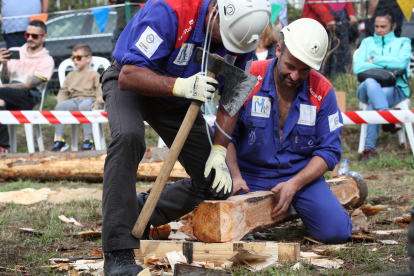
[237, 86]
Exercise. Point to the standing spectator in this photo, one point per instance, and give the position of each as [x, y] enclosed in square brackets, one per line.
[24, 78]
[377, 6]
[282, 19]
[121, 18]
[13, 28]
[267, 45]
[81, 91]
[336, 17]
[383, 50]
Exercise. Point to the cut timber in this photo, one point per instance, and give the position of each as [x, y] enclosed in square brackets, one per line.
[232, 219]
[188, 270]
[216, 253]
[350, 191]
[77, 166]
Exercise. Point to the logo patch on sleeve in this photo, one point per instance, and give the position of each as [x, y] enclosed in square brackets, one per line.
[261, 106]
[148, 42]
[334, 121]
[307, 115]
[184, 55]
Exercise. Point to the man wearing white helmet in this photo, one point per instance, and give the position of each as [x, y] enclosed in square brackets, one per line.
[288, 133]
[154, 79]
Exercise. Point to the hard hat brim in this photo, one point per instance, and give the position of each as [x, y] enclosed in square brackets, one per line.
[230, 47]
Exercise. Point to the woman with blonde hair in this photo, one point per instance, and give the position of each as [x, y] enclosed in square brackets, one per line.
[267, 45]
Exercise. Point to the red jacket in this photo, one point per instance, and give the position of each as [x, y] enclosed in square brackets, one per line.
[321, 12]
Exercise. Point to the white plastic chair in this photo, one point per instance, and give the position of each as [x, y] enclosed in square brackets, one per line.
[97, 128]
[404, 105]
[29, 133]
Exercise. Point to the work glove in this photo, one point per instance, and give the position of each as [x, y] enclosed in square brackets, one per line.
[222, 184]
[193, 87]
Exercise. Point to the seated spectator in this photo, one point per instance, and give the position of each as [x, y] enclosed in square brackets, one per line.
[267, 45]
[25, 77]
[288, 134]
[376, 6]
[334, 16]
[383, 50]
[81, 91]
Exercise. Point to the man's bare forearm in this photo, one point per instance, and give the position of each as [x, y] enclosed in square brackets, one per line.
[31, 83]
[5, 77]
[145, 82]
[45, 6]
[226, 123]
[372, 6]
[231, 159]
[315, 169]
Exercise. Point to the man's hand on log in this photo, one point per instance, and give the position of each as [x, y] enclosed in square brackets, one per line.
[286, 191]
[238, 185]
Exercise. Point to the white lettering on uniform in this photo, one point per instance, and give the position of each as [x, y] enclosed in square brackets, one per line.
[148, 42]
[314, 94]
[191, 22]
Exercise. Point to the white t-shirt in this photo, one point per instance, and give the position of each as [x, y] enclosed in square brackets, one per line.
[262, 55]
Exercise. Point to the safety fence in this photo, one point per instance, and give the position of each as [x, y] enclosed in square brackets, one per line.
[82, 117]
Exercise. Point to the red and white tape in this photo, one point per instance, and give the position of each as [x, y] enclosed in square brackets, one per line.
[62, 117]
[378, 117]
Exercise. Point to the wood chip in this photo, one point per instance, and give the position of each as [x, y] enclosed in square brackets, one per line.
[307, 255]
[335, 263]
[175, 257]
[242, 254]
[86, 233]
[388, 232]
[145, 272]
[312, 240]
[370, 210]
[361, 236]
[388, 242]
[297, 266]
[70, 220]
[181, 236]
[175, 225]
[406, 218]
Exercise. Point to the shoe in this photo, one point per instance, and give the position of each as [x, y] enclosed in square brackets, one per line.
[60, 146]
[88, 145]
[121, 262]
[3, 150]
[367, 155]
[393, 128]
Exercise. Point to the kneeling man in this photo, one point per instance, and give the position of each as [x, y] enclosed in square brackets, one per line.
[288, 133]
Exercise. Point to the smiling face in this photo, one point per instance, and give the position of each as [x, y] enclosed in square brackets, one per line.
[291, 71]
[383, 26]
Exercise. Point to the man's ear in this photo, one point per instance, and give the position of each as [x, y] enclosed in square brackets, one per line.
[44, 37]
[278, 50]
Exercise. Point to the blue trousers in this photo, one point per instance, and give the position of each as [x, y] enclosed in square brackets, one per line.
[316, 205]
[376, 97]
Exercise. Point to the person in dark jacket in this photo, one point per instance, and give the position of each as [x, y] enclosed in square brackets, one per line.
[267, 45]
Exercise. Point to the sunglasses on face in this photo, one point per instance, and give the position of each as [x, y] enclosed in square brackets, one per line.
[78, 57]
[34, 36]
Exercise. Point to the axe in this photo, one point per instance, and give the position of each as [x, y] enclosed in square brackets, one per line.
[238, 86]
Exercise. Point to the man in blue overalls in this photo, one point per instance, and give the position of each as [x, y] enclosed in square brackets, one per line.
[288, 133]
[153, 79]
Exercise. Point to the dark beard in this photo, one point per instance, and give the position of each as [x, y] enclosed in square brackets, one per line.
[283, 78]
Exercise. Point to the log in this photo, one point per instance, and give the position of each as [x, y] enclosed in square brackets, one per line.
[216, 253]
[239, 216]
[77, 166]
[350, 191]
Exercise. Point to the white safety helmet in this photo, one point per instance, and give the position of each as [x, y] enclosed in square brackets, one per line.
[307, 41]
[242, 22]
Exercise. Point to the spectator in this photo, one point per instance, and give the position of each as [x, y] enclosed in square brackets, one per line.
[334, 17]
[267, 45]
[383, 50]
[121, 18]
[24, 78]
[13, 28]
[81, 91]
[375, 7]
[282, 19]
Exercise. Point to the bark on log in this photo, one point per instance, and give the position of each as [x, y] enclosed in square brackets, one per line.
[231, 220]
[77, 166]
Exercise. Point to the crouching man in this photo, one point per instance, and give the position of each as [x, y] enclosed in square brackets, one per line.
[288, 133]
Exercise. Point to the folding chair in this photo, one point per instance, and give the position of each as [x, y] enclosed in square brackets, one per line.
[404, 105]
[97, 128]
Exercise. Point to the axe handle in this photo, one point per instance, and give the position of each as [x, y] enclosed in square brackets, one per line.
[167, 167]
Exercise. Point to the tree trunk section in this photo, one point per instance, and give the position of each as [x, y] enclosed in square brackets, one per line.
[231, 220]
[77, 166]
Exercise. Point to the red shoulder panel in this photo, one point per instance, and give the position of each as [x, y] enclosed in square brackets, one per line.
[318, 88]
[258, 69]
[187, 14]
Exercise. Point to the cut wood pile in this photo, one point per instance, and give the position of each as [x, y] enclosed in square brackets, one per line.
[77, 166]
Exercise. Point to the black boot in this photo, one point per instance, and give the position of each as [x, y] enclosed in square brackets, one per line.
[121, 263]
[141, 202]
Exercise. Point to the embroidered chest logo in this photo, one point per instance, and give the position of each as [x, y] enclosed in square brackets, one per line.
[307, 115]
[184, 55]
[261, 106]
[252, 136]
